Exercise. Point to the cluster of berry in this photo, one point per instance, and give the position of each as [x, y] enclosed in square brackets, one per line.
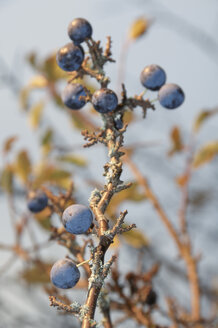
[170, 95]
[76, 219]
[70, 58]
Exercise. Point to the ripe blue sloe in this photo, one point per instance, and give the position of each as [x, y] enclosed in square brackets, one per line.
[153, 77]
[171, 96]
[104, 100]
[71, 96]
[64, 274]
[77, 219]
[38, 202]
[79, 30]
[70, 57]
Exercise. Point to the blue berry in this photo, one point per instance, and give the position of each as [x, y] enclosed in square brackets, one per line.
[71, 96]
[38, 202]
[64, 274]
[104, 100]
[79, 30]
[118, 123]
[70, 57]
[171, 96]
[77, 219]
[153, 77]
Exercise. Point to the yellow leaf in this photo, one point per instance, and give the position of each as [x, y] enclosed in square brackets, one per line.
[51, 70]
[24, 97]
[116, 242]
[22, 166]
[38, 82]
[35, 114]
[202, 117]
[44, 218]
[128, 117]
[49, 173]
[138, 28]
[135, 238]
[205, 154]
[9, 143]
[46, 141]
[6, 180]
[73, 159]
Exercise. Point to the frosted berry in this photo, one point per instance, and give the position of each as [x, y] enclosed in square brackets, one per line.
[153, 77]
[64, 274]
[104, 100]
[171, 96]
[71, 96]
[77, 219]
[79, 30]
[38, 202]
[70, 57]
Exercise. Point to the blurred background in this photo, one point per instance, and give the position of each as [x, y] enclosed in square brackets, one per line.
[181, 38]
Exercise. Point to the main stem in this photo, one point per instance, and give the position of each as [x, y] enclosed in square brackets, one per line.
[115, 166]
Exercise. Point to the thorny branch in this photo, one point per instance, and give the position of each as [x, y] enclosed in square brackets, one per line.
[141, 300]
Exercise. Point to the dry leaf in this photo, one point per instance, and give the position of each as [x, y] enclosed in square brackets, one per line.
[9, 143]
[22, 166]
[205, 154]
[36, 114]
[202, 117]
[176, 139]
[138, 28]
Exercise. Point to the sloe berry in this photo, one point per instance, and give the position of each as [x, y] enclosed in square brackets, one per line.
[104, 100]
[77, 219]
[153, 77]
[64, 274]
[70, 57]
[171, 96]
[79, 30]
[71, 96]
[38, 202]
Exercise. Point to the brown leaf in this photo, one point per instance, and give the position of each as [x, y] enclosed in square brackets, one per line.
[176, 139]
[38, 273]
[182, 180]
[9, 143]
